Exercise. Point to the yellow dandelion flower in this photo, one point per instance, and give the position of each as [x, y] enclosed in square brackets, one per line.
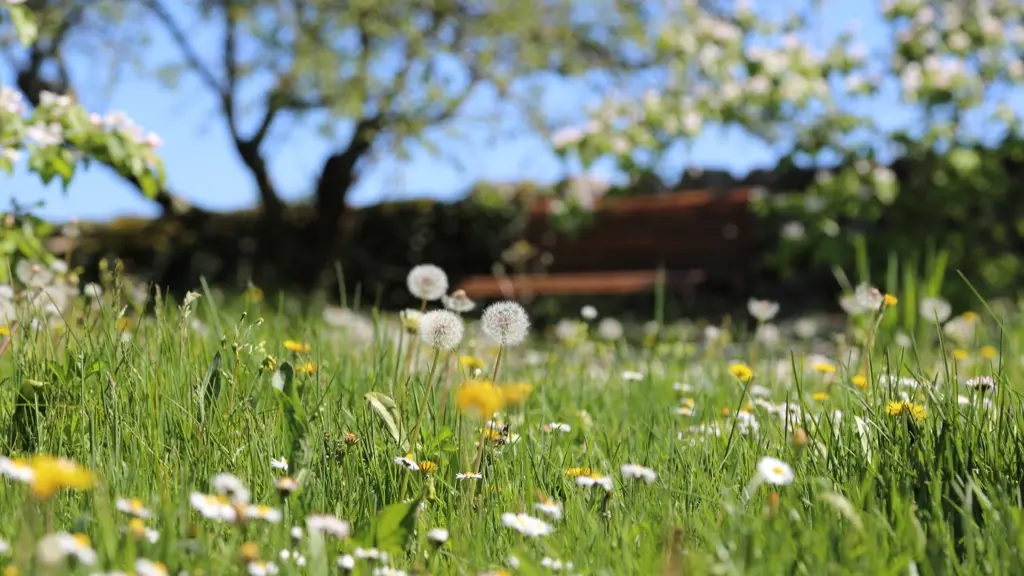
[297, 347]
[479, 397]
[50, 474]
[428, 467]
[860, 381]
[269, 362]
[306, 368]
[577, 471]
[516, 394]
[824, 367]
[471, 363]
[691, 402]
[491, 433]
[915, 411]
[726, 411]
[989, 352]
[125, 324]
[970, 316]
[741, 371]
[890, 300]
[254, 293]
[249, 552]
[960, 354]
[820, 396]
[5, 331]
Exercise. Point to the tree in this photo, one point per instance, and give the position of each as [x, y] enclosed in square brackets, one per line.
[386, 74]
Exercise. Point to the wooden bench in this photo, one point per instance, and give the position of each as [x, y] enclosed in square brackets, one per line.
[698, 238]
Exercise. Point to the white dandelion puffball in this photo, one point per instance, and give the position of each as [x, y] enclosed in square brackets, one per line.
[935, 309]
[774, 471]
[762, 310]
[458, 302]
[441, 329]
[506, 322]
[427, 282]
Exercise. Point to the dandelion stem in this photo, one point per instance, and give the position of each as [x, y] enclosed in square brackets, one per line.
[414, 436]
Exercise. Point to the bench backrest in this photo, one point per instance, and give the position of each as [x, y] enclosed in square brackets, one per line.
[681, 231]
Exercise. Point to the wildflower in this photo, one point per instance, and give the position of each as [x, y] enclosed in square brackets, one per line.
[805, 328]
[637, 471]
[407, 462]
[960, 354]
[261, 568]
[960, 329]
[775, 472]
[54, 548]
[762, 310]
[741, 372]
[915, 411]
[50, 474]
[146, 567]
[989, 352]
[307, 368]
[34, 274]
[935, 309]
[506, 322]
[479, 397]
[800, 437]
[329, 525]
[869, 297]
[458, 302]
[527, 525]
[889, 300]
[632, 376]
[549, 508]
[249, 552]
[685, 410]
[588, 313]
[576, 472]
[214, 507]
[437, 535]
[279, 464]
[350, 439]
[468, 476]
[820, 396]
[824, 367]
[272, 515]
[559, 426]
[17, 469]
[132, 507]
[610, 329]
[296, 346]
[555, 565]
[346, 562]
[370, 554]
[768, 334]
[285, 486]
[427, 282]
[595, 480]
[471, 363]
[138, 529]
[231, 486]
[427, 467]
[93, 290]
[410, 319]
[859, 381]
[441, 329]
[515, 394]
[981, 383]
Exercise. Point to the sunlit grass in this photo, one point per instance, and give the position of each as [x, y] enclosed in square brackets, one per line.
[227, 436]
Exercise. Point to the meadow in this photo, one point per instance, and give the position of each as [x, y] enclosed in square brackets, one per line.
[222, 433]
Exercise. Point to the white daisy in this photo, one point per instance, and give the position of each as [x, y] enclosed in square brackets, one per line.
[329, 525]
[774, 471]
[550, 508]
[437, 535]
[527, 525]
[279, 464]
[133, 507]
[637, 471]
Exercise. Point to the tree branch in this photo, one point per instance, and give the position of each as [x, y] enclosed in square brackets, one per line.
[187, 51]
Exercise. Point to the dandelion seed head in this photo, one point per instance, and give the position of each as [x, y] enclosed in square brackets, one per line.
[427, 282]
[506, 322]
[441, 330]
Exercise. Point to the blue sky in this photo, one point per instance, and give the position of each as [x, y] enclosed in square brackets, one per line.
[203, 167]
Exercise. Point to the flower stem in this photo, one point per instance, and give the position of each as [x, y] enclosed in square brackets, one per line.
[414, 436]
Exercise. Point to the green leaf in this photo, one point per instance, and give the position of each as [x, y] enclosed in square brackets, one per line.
[149, 185]
[388, 412]
[24, 24]
[394, 525]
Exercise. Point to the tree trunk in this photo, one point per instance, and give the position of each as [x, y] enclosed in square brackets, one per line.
[337, 177]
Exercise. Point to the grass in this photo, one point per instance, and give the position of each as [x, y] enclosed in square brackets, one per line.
[155, 405]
